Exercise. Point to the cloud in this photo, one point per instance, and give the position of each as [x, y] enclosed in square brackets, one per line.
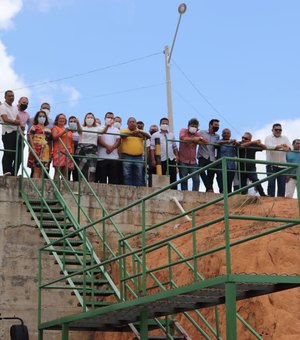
[47, 5]
[290, 128]
[73, 94]
[9, 79]
[9, 9]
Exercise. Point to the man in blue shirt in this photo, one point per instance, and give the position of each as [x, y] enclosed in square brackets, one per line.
[226, 148]
[291, 179]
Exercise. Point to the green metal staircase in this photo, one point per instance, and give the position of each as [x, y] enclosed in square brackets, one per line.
[135, 299]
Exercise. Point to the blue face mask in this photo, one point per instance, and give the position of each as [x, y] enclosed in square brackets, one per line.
[41, 120]
[73, 126]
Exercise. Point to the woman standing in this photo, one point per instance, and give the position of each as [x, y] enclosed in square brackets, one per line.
[62, 139]
[87, 146]
[40, 140]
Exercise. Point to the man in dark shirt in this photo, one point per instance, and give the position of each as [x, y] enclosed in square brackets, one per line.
[247, 150]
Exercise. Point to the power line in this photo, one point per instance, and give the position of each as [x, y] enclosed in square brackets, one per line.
[189, 103]
[204, 98]
[87, 72]
[112, 93]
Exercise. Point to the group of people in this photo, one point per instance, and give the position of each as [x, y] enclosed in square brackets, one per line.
[108, 153]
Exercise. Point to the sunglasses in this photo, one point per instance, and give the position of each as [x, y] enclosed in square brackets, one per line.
[277, 130]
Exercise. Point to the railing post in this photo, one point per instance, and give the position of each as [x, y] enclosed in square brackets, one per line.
[65, 332]
[226, 215]
[298, 187]
[144, 275]
[230, 302]
[144, 324]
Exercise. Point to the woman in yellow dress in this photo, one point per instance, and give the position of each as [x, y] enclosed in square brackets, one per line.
[40, 139]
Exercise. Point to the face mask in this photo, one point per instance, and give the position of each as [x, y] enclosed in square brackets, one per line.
[192, 129]
[47, 111]
[73, 125]
[215, 129]
[89, 121]
[164, 127]
[117, 125]
[108, 120]
[151, 132]
[23, 107]
[41, 120]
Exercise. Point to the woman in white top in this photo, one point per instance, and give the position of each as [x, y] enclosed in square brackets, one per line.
[87, 146]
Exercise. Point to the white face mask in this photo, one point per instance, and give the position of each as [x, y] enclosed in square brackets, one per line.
[108, 120]
[117, 125]
[164, 127]
[192, 129]
[89, 121]
[47, 111]
[41, 120]
[73, 126]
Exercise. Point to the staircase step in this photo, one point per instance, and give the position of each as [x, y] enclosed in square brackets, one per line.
[66, 251]
[38, 201]
[58, 233]
[75, 262]
[74, 243]
[53, 208]
[74, 270]
[97, 303]
[48, 216]
[52, 224]
[96, 282]
[95, 292]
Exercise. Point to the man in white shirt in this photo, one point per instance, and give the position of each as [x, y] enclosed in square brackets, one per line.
[9, 115]
[107, 164]
[277, 147]
[169, 150]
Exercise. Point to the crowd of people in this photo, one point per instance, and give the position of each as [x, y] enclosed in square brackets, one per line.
[108, 153]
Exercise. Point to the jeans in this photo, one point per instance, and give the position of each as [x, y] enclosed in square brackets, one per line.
[9, 163]
[172, 171]
[208, 176]
[186, 169]
[107, 171]
[230, 177]
[133, 170]
[271, 169]
[252, 175]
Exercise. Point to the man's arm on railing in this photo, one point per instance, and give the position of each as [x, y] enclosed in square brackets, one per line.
[10, 121]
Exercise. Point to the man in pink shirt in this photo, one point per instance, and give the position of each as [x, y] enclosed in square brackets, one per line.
[189, 139]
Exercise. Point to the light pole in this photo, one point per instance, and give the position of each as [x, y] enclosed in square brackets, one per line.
[181, 10]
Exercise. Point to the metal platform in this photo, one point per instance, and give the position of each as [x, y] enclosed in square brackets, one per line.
[199, 295]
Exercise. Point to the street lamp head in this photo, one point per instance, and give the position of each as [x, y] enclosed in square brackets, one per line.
[182, 8]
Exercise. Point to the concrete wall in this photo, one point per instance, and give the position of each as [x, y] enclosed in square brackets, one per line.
[20, 241]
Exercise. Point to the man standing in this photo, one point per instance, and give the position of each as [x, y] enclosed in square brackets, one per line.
[207, 153]
[169, 151]
[247, 150]
[226, 148]
[277, 146]
[107, 165]
[151, 169]
[23, 114]
[132, 149]
[291, 179]
[189, 139]
[9, 115]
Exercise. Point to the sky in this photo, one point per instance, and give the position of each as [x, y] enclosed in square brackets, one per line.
[237, 61]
